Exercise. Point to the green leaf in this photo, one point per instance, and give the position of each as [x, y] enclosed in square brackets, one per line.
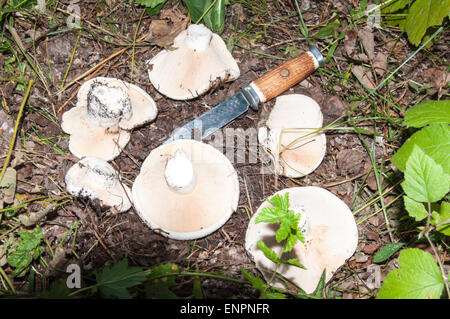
[418, 277]
[280, 202]
[268, 252]
[259, 284]
[150, 3]
[114, 281]
[428, 112]
[441, 217]
[395, 5]
[292, 262]
[415, 209]
[269, 215]
[214, 19]
[387, 251]
[158, 285]
[320, 289]
[434, 140]
[27, 249]
[425, 180]
[329, 30]
[422, 15]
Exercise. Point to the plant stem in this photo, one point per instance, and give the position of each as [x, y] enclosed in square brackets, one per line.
[436, 253]
[16, 129]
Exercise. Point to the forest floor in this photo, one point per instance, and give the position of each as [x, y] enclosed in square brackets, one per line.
[115, 40]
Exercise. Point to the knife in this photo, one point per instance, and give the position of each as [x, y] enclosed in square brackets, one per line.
[265, 88]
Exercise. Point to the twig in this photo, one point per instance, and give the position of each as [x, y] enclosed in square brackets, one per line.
[16, 129]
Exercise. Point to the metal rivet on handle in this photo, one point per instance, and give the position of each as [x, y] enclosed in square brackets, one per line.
[284, 73]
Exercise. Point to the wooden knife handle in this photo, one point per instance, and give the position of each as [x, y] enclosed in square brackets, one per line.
[285, 76]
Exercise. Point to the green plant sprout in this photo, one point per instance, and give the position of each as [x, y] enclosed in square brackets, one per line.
[289, 232]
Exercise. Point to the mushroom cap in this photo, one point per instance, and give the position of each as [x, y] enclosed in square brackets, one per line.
[331, 239]
[88, 140]
[96, 179]
[194, 214]
[92, 141]
[188, 71]
[289, 135]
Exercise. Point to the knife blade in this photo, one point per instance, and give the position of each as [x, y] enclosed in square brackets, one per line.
[263, 89]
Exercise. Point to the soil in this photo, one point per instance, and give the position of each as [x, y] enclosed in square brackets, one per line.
[105, 237]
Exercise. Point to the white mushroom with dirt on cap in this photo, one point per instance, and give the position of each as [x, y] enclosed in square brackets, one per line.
[292, 136]
[329, 231]
[107, 109]
[95, 178]
[198, 61]
[186, 190]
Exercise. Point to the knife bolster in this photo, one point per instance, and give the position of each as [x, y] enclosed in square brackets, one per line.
[252, 96]
[285, 76]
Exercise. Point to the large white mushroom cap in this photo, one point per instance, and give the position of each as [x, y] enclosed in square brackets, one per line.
[290, 135]
[186, 190]
[198, 61]
[106, 110]
[331, 237]
[94, 178]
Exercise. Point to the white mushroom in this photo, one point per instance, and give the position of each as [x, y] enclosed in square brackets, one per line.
[94, 178]
[330, 232]
[291, 135]
[186, 190]
[199, 61]
[106, 110]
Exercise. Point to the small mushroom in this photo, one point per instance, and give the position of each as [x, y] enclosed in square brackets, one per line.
[94, 178]
[330, 232]
[291, 136]
[186, 189]
[106, 110]
[198, 61]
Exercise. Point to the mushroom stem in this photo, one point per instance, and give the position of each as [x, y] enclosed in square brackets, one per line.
[179, 173]
[107, 105]
[100, 172]
[198, 37]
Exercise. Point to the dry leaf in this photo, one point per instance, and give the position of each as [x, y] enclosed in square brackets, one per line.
[162, 33]
[380, 63]
[364, 75]
[366, 36]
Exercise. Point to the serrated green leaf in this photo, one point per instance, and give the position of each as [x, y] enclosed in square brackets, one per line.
[269, 215]
[256, 282]
[387, 251]
[268, 252]
[280, 202]
[27, 249]
[422, 15]
[113, 281]
[418, 277]
[434, 140]
[415, 209]
[283, 231]
[425, 180]
[259, 284]
[428, 112]
[292, 262]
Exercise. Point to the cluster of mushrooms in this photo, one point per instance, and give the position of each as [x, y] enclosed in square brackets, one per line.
[187, 189]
